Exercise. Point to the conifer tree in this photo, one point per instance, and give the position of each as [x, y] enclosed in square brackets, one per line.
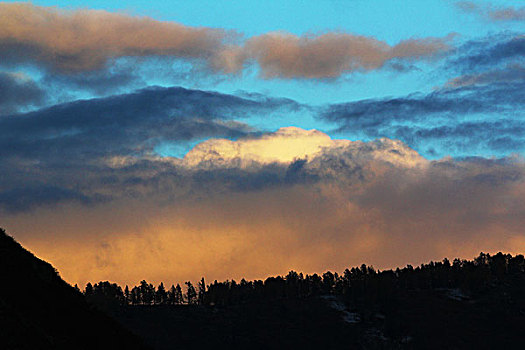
[160, 295]
[202, 291]
[191, 293]
[178, 298]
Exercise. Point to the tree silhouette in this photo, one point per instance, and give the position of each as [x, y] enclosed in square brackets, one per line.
[161, 295]
[178, 297]
[202, 291]
[89, 289]
[191, 293]
[147, 293]
[127, 295]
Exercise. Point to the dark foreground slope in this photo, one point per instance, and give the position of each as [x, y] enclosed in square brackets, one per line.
[283, 324]
[477, 304]
[420, 320]
[38, 310]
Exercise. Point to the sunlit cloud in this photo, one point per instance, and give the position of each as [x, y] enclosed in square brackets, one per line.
[332, 54]
[89, 40]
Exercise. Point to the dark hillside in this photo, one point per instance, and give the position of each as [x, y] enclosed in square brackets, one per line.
[38, 310]
[441, 305]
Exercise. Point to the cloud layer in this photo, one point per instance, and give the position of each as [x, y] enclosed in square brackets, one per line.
[90, 39]
[228, 215]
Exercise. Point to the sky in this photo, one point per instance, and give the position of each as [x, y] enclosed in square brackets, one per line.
[171, 140]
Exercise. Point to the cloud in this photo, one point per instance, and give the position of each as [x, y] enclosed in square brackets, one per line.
[476, 112]
[92, 40]
[35, 195]
[290, 145]
[466, 120]
[344, 203]
[509, 74]
[73, 41]
[464, 100]
[19, 92]
[493, 13]
[99, 83]
[129, 124]
[498, 50]
[330, 55]
[44, 153]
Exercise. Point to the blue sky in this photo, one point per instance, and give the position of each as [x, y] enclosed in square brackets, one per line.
[388, 21]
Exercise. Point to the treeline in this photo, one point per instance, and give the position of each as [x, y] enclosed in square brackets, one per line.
[359, 286]
[145, 294]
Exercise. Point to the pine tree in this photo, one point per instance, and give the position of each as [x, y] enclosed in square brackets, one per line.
[170, 299]
[127, 296]
[178, 298]
[160, 295]
[202, 291]
[191, 293]
[89, 289]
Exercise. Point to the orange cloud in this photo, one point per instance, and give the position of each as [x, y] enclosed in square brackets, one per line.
[84, 40]
[282, 55]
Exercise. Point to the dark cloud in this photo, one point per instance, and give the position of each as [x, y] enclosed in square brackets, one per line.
[472, 118]
[128, 124]
[498, 137]
[488, 53]
[83, 143]
[33, 196]
[478, 111]
[374, 113]
[18, 92]
[510, 73]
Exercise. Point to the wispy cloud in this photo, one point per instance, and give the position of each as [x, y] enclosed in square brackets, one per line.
[492, 12]
[449, 121]
[130, 123]
[487, 53]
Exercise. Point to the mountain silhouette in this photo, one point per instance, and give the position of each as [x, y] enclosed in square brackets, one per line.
[39, 310]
